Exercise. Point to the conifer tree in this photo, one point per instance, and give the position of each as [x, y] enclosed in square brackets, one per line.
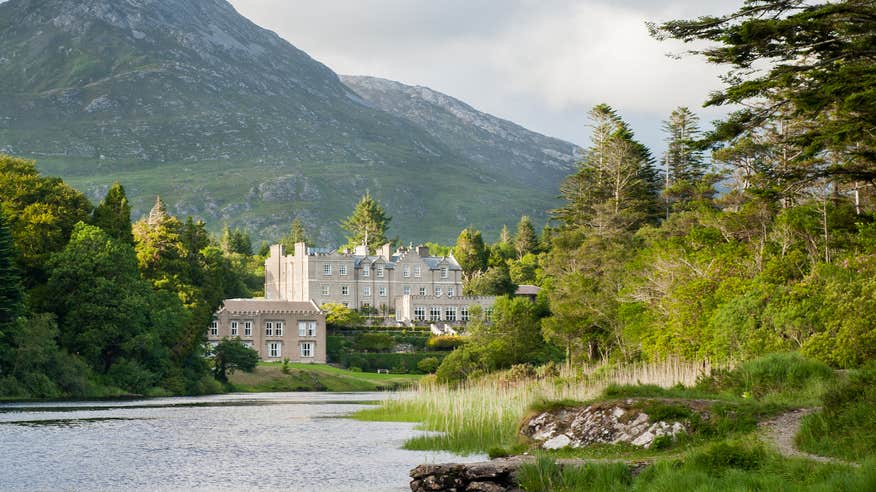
[297, 234]
[470, 251]
[525, 241]
[11, 296]
[684, 165]
[113, 215]
[367, 225]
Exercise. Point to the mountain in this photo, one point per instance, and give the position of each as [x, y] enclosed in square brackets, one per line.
[231, 123]
[491, 142]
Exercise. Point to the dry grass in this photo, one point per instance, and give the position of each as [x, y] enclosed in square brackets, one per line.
[483, 414]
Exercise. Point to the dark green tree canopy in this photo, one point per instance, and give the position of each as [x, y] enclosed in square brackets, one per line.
[231, 355]
[367, 225]
[113, 215]
[819, 68]
[470, 251]
[11, 296]
[235, 241]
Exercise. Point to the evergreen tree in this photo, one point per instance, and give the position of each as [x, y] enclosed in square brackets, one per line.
[525, 241]
[113, 215]
[235, 241]
[684, 164]
[470, 251]
[11, 296]
[297, 234]
[367, 225]
[505, 235]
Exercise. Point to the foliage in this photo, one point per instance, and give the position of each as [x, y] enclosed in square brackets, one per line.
[230, 355]
[396, 363]
[297, 234]
[545, 475]
[809, 60]
[11, 294]
[340, 316]
[113, 214]
[373, 342]
[470, 251]
[495, 281]
[445, 342]
[525, 240]
[367, 225]
[428, 365]
[235, 241]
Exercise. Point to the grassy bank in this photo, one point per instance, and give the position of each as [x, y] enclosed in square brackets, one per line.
[270, 376]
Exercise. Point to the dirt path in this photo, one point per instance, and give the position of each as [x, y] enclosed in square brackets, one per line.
[780, 432]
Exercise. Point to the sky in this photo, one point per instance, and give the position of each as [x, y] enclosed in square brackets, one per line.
[539, 63]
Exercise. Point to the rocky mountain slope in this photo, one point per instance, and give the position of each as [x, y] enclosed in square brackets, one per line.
[229, 122]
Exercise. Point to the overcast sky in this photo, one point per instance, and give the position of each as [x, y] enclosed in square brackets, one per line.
[539, 63]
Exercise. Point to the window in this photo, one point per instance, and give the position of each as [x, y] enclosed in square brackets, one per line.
[444, 272]
[269, 328]
[307, 328]
[247, 328]
[463, 313]
[437, 291]
[450, 292]
[406, 271]
[435, 313]
[450, 313]
[342, 269]
[420, 313]
[275, 349]
[278, 328]
[417, 272]
[327, 269]
[380, 271]
[381, 291]
[345, 290]
[234, 328]
[366, 291]
[366, 271]
[214, 328]
[326, 290]
[406, 290]
[306, 349]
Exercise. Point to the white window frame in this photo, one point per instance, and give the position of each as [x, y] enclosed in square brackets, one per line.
[342, 270]
[311, 328]
[278, 328]
[435, 313]
[366, 291]
[345, 290]
[463, 313]
[366, 271]
[450, 313]
[406, 271]
[234, 325]
[419, 313]
[275, 350]
[379, 271]
[306, 349]
[381, 291]
[214, 328]
[422, 291]
[247, 328]
[406, 290]
[327, 269]
[438, 292]
[445, 272]
[326, 290]
[418, 272]
[451, 292]
[269, 328]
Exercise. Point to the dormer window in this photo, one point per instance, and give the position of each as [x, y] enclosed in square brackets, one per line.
[380, 271]
[366, 271]
[417, 272]
[444, 272]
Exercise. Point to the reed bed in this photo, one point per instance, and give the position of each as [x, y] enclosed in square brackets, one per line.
[483, 414]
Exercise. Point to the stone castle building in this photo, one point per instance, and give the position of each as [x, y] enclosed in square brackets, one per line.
[410, 282]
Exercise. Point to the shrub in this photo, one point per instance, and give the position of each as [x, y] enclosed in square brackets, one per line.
[723, 455]
[428, 365]
[774, 373]
[445, 342]
[373, 342]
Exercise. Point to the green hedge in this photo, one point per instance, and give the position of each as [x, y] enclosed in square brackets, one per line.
[393, 362]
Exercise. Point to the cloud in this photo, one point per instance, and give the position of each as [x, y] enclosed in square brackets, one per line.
[539, 63]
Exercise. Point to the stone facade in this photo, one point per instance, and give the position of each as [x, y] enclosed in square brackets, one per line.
[389, 282]
[277, 330]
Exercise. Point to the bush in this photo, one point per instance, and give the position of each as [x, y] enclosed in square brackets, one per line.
[774, 373]
[445, 342]
[373, 342]
[428, 365]
[395, 362]
[723, 455]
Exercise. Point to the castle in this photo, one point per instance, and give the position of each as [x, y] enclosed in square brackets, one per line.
[409, 282]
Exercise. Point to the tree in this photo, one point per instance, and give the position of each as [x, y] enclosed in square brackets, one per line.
[683, 160]
[525, 240]
[616, 186]
[297, 234]
[340, 316]
[235, 241]
[113, 215]
[231, 355]
[813, 61]
[495, 281]
[470, 251]
[11, 295]
[367, 225]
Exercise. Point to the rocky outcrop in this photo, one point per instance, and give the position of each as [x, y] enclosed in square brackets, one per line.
[612, 422]
[496, 475]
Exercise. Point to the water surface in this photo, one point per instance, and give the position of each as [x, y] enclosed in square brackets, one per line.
[265, 441]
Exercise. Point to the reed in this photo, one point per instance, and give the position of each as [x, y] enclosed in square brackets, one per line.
[479, 415]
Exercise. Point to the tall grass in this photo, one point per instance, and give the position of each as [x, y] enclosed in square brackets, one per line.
[484, 414]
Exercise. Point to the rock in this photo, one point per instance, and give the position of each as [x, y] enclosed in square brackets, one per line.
[611, 422]
[485, 487]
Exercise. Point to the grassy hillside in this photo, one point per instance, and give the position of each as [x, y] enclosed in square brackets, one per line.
[315, 377]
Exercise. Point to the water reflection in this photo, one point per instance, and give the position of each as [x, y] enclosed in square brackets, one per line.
[289, 441]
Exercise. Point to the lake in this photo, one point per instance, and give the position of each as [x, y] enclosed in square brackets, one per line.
[266, 441]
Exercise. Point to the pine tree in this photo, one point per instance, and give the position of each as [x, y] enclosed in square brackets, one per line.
[113, 215]
[297, 234]
[525, 241]
[367, 225]
[684, 162]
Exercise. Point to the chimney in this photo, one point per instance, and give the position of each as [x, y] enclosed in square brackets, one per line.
[361, 250]
[423, 251]
[385, 251]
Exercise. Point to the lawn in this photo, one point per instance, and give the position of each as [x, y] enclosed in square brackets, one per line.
[270, 376]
